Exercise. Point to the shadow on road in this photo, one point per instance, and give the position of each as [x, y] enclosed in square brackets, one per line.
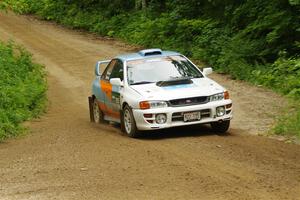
[178, 132]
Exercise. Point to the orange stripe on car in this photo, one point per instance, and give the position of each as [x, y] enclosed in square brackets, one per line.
[106, 87]
[108, 111]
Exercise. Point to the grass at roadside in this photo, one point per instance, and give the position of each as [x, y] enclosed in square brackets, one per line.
[22, 89]
[289, 123]
[284, 77]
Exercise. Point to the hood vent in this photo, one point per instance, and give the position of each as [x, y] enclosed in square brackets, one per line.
[150, 52]
[174, 82]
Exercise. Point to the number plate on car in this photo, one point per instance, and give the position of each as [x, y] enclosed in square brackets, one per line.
[191, 116]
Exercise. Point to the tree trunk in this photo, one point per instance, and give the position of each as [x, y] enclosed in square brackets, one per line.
[140, 4]
[144, 4]
[137, 4]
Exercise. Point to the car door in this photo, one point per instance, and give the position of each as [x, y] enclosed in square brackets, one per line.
[117, 72]
[111, 93]
[106, 87]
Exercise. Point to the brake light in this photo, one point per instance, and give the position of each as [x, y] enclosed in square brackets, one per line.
[144, 105]
[226, 95]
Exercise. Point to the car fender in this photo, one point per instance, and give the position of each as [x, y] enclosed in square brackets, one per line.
[131, 97]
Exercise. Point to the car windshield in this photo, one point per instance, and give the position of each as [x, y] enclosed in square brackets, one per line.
[152, 70]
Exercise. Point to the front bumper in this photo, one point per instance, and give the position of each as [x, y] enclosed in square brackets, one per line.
[175, 115]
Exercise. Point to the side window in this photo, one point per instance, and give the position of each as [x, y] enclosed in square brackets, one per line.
[117, 71]
[106, 74]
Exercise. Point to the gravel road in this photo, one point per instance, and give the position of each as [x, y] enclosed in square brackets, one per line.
[67, 157]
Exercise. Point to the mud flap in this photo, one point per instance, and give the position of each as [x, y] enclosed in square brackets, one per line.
[91, 99]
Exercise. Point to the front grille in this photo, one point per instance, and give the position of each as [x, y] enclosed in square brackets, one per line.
[188, 101]
[178, 116]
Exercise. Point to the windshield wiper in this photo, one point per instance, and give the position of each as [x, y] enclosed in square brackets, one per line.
[141, 82]
[183, 77]
[179, 78]
[198, 76]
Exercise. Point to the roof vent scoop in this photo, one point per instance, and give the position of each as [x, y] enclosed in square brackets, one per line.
[150, 52]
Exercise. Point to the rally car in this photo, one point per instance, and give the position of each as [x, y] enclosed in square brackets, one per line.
[155, 89]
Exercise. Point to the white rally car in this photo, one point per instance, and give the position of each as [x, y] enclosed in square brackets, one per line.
[155, 89]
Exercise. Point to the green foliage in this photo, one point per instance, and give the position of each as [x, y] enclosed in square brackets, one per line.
[22, 89]
[3, 5]
[289, 124]
[283, 76]
[20, 7]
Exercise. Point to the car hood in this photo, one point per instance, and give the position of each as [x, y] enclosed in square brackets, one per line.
[199, 87]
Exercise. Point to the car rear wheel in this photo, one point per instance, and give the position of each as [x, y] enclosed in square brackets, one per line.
[128, 122]
[97, 113]
[220, 127]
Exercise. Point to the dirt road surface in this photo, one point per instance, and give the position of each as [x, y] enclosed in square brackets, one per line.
[67, 157]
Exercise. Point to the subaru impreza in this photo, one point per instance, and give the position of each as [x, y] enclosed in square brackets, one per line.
[154, 89]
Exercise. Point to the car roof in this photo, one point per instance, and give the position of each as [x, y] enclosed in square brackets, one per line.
[147, 53]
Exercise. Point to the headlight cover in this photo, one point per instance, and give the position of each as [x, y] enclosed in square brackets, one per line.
[216, 97]
[152, 104]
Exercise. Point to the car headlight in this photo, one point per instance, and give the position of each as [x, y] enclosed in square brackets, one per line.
[216, 97]
[152, 104]
[220, 111]
[219, 96]
[161, 118]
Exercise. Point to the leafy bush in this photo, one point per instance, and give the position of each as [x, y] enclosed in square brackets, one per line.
[283, 76]
[22, 89]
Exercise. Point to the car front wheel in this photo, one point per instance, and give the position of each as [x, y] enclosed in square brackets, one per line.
[128, 122]
[220, 127]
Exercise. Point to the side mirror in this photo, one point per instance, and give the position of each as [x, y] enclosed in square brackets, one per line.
[116, 81]
[207, 71]
[100, 66]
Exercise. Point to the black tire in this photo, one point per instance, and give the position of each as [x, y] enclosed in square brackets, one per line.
[128, 124]
[220, 127]
[97, 113]
[122, 122]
